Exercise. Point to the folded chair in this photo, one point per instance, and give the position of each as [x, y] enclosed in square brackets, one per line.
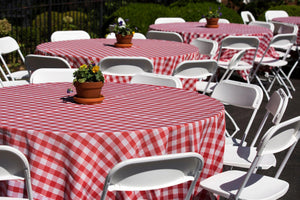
[267, 25]
[156, 79]
[240, 95]
[247, 17]
[154, 172]
[14, 166]
[69, 35]
[206, 47]
[243, 156]
[9, 45]
[164, 20]
[270, 14]
[48, 75]
[236, 184]
[161, 35]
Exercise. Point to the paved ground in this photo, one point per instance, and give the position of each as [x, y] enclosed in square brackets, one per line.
[291, 173]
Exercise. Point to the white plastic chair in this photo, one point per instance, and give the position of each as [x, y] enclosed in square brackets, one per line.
[240, 95]
[206, 46]
[14, 166]
[283, 41]
[198, 69]
[69, 35]
[221, 20]
[235, 184]
[12, 83]
[161, 35]
[164, 20]
[238, 43]
[267, 25]
[48, 75]
[243, 156]
[111, 35]
[34, 62]
[9, 45]
[247, 17]
[270, 14]
[125, 66]
[156, 79]
[155, 172]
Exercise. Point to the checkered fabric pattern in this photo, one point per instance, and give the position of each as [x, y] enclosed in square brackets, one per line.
[166, 55]
[71, 147]
[291, 20]
[193, 30]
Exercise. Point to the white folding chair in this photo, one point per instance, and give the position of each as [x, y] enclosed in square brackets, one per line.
[283, 41]
[111, 35]
[270, 14]
[240, 95]
[9, 45]
[48, 75]
[236, 184]
[221, 20]
[162, 35]
[238, 43]
[69, 35]
[243, 156]
[247, 17]
[156, 79]
[164, 20]
[197, 69]
[125, 66]
[154, 172]
[34, 62]
[206, 47]
[267, 25]
[12, 83]
[14, 166]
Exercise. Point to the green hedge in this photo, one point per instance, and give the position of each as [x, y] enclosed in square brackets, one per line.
[142, 15]
[292, 10]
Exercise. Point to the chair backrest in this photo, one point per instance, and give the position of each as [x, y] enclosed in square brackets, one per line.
[267, 25]
[283, 28]
[277, 139]
[8, 45]
[48, 75]
[154, 172]
[125, 66]
[206, 46]
[164, 20]
[221, 20]
[161, 35]
[111, 35]
[275, 107]
[139, 36]
[34, 62]
[247, 17]
[270, 14]
[239, 94]
[157, 79]
[69, 35]
[14, 166]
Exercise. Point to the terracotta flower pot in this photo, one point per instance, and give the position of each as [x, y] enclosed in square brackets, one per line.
[124, 39]
[212, 23]
[88, 89]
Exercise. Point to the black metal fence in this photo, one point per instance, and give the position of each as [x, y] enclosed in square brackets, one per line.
[33, 22]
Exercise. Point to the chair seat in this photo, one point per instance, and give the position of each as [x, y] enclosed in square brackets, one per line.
[228, 182]
[241, 66]
[243, 157]
[200, 86]
[23, 74]
[234, 141]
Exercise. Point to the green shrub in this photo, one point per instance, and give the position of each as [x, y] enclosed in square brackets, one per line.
[142, 15]
[292, 10]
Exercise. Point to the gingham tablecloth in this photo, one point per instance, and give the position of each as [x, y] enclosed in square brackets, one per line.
[193, 30]
[290, 20]
[166, 55]
[72, 147]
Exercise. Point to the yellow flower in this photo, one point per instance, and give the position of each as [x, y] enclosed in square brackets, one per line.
[95, 69]
[84, 66]
[133, 32]
[210, 12]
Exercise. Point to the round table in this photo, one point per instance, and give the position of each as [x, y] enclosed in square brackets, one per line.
[193, 30]
[291, 20]
[166, 55]
[71, 147]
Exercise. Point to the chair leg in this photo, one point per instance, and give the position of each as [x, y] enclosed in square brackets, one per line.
[287, 79]
[262, 86]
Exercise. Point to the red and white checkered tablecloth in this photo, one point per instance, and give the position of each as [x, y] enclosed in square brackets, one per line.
[193, 30]
[290, 20]
[166, 55]
[72, 147]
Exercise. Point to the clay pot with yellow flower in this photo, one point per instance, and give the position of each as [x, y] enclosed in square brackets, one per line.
[88, 81]
[124, 34]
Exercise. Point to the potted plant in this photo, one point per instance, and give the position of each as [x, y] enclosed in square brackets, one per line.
[212, 18]
[124, 33]
[88, 81]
